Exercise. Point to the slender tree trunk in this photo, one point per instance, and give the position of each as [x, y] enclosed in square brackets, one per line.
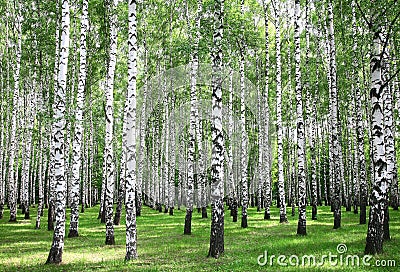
[389, 140]
[56, 251]
[171, 189]
[301, 226]
[243, 153]
[31, 96]
[42, 167]
[334, 148]
[109, 152]
[281, 181]
[378, 198]
[266, 174]
[13, 162]
[142, 154]
[232, 190]
[130, 183]
[361, 182]
[199, 160]
[77, 141]
[260, 141]
[217, 170]
[192, 129]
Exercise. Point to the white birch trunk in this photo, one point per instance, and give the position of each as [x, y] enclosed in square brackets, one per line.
[109, 150]
[281, 181]
[56, 251]
[301, 226]
[130, 183]
[77, 141]
[217, 167]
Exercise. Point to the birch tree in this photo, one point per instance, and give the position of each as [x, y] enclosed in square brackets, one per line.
[378, 197]
[217, 171]
[77, 141]
[334, 147]
[130, 183]
[12, 182]
[57, 247]
[243, 153]
[266, 152]
[194, 63]
[109, 151]
[281, 181]
[301, 226]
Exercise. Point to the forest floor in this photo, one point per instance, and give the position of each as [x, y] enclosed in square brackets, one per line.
[163, 247]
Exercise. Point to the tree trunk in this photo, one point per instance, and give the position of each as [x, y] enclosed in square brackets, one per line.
[378, 198]
[281, 181]
[217, 170]
[243, 153]
[12, 182]
[77, 141]
[301, 226]
[130, 183]
[334, 148]
[56, 251]
[109, 152]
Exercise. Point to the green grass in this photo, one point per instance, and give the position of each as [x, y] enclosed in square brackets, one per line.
[163, 247]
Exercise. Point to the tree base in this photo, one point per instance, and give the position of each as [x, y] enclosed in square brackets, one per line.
[73, 233]
[130, 257]
[110, 240]
[117, 219]
[204, 212]
[50, 217]
[188, 223]
[267, 215]
[217, 230]
[283, 219]
[314, 213]
[37, 226]
[55, 256]
[301, 228]
[363, 214]
[373, 247]
[171, 211]
[386, 231]
[234, 211]
[244, 221]
[337, 220]
[27, 216]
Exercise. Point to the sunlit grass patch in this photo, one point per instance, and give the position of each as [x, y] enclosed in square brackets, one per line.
[163, 247]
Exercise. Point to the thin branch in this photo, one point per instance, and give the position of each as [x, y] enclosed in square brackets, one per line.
[390, 78]
[389, 30]
[363, 15]
[384, 11]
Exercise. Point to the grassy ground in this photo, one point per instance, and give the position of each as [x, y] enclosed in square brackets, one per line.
[163, 247]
